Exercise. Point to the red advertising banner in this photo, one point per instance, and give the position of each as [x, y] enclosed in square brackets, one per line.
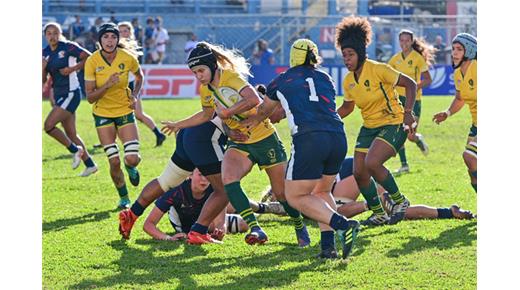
[169, 81]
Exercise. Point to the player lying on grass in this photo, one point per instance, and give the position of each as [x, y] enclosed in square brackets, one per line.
[346, 192]
[184, 204]
[225, 91]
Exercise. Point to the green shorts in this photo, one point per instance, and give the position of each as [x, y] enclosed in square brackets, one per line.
[117, 121]
[393, 135]
[266, 153]
[416, 106]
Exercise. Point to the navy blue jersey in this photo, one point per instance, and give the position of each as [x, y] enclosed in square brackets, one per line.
[308, 97]
[347, 168]
[181, 197]
[65, 55]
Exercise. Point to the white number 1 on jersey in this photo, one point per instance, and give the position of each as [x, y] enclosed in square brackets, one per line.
[313, 97]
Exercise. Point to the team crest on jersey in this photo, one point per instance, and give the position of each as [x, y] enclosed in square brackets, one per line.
[61, 54]
[121, 66]
[99, 68]
[410, 62]
[367, 84]
[470, 82]
[271, 155]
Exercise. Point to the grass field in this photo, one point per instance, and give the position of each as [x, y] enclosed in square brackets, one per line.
[82, 247]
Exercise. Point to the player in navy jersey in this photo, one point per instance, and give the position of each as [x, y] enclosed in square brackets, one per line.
[184, 204]
[60, 62]
[201, 146]
[319, 144]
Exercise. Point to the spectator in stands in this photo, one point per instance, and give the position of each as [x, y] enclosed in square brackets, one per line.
[113, 17]
[263, 55]
[76, 28]
[160, 37]
[90, 42]
[190, 44]
[148, 39]
[138, 31]
[441, 55]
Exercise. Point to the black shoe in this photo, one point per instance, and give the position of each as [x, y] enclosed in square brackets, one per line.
[160, 140]
[329, 253]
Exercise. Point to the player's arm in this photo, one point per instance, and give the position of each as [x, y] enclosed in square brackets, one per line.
[411, 92]
[194, 120]
[455, 106]
[150, 226]
[346, 108]
[265, 110]
[138, 84]
[78, 66]
[250, 99]
[94, 93]
[426, 80]
[44, 70]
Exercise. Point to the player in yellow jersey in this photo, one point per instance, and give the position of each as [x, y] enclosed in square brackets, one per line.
[127, 34]
[225, 91]
[414, 59]
[464, 57]
[370, 86]
[106, 84]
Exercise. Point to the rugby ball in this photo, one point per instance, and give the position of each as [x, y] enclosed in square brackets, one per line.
[227, 97]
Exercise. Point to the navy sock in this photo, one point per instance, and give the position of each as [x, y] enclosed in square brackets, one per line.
[444, 213]
[137, 208]
[327, 240]
[156, 132]
[196, 227]
[72, 148]
[123, 191]
[338, 222]
[89, 162]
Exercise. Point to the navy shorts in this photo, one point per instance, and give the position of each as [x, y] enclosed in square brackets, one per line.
[200, 146]
[315, 154]
[69, 101]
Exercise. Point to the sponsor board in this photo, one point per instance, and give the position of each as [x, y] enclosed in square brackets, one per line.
[177, 81]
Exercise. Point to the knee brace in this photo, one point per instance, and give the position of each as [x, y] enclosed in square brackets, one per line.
[131, 147]
[232, 223]
[172, 176]
[111, 150]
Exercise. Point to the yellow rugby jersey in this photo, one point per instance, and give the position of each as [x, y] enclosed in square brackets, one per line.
[233, 80]
[413, 65]
[374, 93]
[116, 100]
[466, 85]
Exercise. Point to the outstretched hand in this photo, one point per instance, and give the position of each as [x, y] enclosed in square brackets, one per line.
[169, 127]
[440, 117]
